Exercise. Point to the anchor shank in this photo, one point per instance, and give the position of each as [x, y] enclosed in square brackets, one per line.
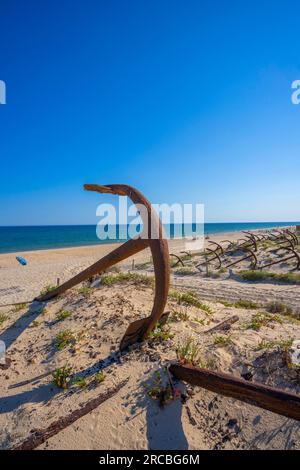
[131, 247]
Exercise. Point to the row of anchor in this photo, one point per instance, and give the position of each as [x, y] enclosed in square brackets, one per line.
[284, 244]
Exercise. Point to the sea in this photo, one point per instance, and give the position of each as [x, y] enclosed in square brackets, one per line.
[29, 238]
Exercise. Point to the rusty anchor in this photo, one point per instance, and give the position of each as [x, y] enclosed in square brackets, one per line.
[293, 235]
[209, 260]
[250, 255]
[138, 330]
[179, 260]
[219, 247]
[294, 255]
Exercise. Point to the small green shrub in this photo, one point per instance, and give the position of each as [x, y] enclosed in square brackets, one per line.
[100, 376]
[259, 320]
[85, 291]
[62, 377]
[160, 333]
[3, 318]
[62, 315]
[220, 340]
[188, 351]
[158, 390]
[189, 298]
[47, 289]
[222, 271]
[80, 382]
[64, 338]
[180, 315]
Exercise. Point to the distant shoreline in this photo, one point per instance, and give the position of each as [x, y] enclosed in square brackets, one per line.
[16, 240]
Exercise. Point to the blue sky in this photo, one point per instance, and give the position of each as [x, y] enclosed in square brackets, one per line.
[190, 101]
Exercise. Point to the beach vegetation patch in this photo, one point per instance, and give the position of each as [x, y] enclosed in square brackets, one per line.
[3, 318]
[179, 315]
[282, 344]
[222, 270]
[188, 351]
[185, 271]
[47, 289]
[136, 278]
[100, 377]
[80, 382]
[62, 315]
[247, 304]
[64, 338]
[160, 333]
[279, 307]
[19, 307]
[189, 298]
[85, 291]
[160, 390]
[62, 377]
[220, 340]
[259, 276]
[259, 320]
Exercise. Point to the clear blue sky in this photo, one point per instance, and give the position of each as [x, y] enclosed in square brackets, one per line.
[189, 100]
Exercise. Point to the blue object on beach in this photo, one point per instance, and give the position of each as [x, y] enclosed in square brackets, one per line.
[21, 260]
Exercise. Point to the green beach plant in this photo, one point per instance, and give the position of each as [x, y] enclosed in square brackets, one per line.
[64, 338]
[62, 315]
[62, 377]
[136, 278]
[47, 289]
[3, 318]
[189, 298]
[188, 351]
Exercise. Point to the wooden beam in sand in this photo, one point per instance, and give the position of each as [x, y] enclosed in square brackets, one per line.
[39, 436]
[269, 398]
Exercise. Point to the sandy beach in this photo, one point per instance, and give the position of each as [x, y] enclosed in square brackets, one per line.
[96, 319]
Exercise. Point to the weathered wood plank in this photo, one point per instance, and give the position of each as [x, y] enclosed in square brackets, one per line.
[263, 396]
[41, 435]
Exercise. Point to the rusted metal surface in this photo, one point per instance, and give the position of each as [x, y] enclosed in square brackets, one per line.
[187, 253]
[140, 329]
[288, 241]
[230, 242]
[293, 235]
[268, 398]
[179, 260]
[294, 255]
[38, 436]
[251, 238]
[218, 246]
[209, 260]
[251, 255]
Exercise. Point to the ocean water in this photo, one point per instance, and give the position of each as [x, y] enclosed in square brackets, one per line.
[19, 239]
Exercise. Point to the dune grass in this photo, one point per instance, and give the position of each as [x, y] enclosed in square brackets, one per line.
[64, 338]
[189, 298]
[261, 319]
[136, 278]
[3, 318]
[260, 276]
